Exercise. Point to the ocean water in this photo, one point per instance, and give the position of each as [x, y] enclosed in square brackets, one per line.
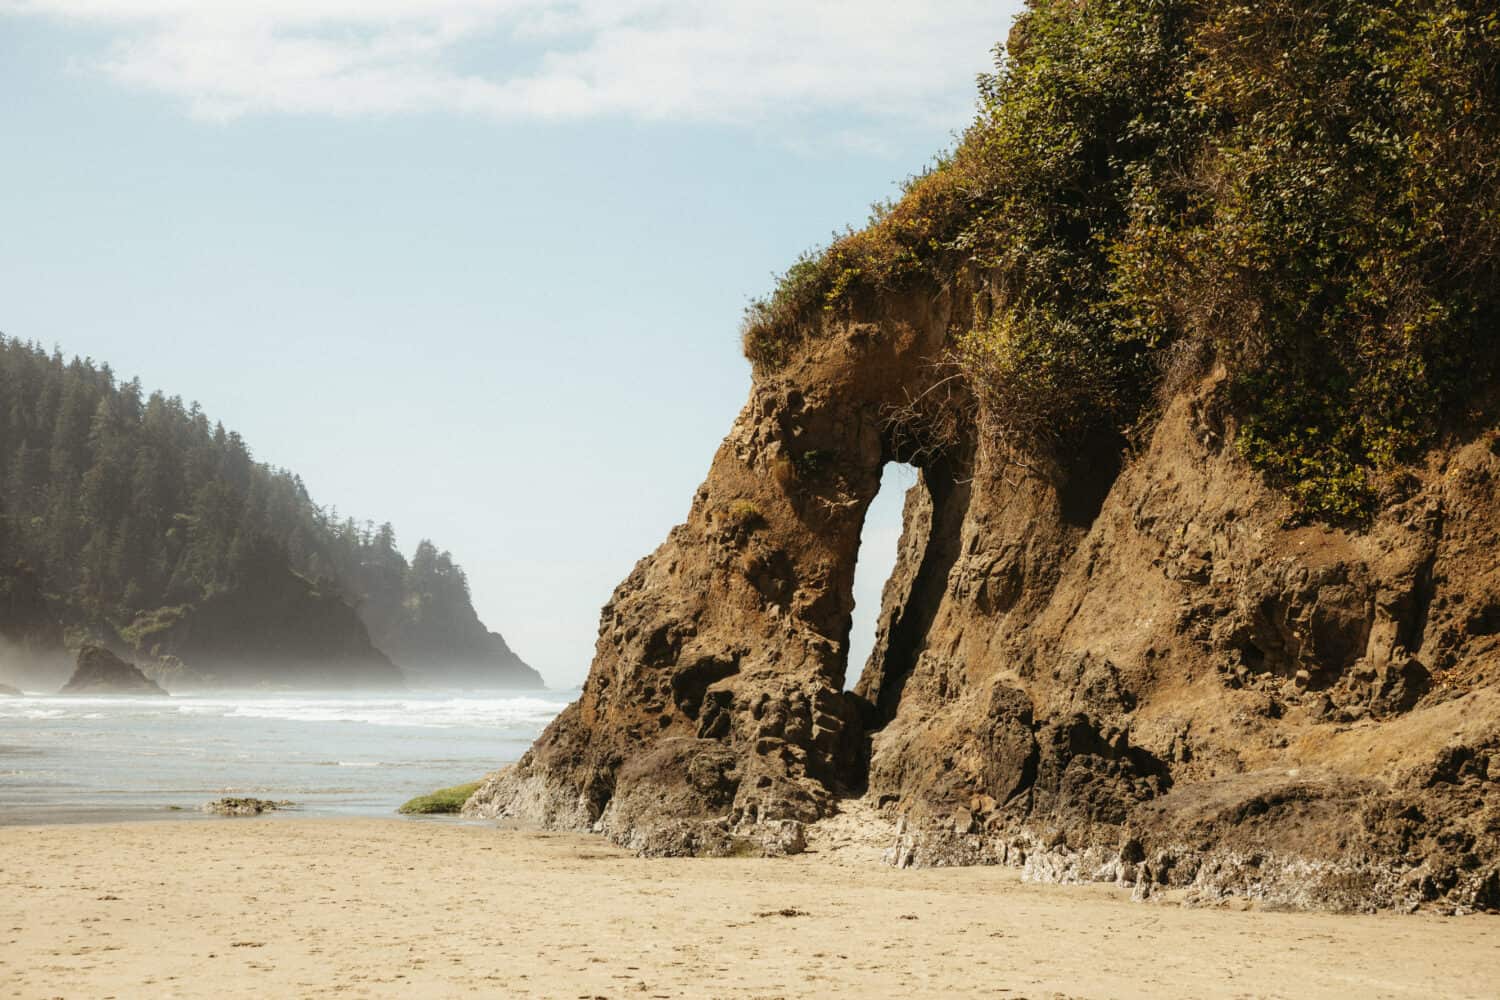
[98, 758]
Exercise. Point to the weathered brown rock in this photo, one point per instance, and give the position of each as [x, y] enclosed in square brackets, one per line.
[1097, 668]
[716, 702]
[101, 672]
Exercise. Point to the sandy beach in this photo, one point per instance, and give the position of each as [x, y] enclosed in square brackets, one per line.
[308, 907]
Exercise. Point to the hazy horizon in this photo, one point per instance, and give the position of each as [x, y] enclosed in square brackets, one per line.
[472, 268]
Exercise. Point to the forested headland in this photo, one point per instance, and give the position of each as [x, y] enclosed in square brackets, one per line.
[136, 520]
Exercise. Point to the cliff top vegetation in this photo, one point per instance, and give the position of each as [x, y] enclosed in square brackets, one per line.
[1307, 192]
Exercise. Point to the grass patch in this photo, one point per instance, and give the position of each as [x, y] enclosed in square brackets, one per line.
[444, 801]
[744, 514]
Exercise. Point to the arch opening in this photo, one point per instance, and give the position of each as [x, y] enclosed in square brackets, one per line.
[879, 545]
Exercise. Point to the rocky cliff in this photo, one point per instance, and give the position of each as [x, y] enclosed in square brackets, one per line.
[1138, 673]
[1188, 597]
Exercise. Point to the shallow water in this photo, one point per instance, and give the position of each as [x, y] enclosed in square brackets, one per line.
[97, 758]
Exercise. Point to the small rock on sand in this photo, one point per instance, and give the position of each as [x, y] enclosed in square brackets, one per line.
[245, 807]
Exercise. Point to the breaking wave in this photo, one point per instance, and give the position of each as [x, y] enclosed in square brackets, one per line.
[523, 712]
[361, 754]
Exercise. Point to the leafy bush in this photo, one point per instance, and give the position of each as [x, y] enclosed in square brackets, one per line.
[1352, 194]
[902, 239]
[1308, 193]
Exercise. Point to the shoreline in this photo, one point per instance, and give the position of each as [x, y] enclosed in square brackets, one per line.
[70, 816]
[407, 905]
[72, 760]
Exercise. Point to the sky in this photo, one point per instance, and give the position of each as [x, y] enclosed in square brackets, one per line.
[473, 267]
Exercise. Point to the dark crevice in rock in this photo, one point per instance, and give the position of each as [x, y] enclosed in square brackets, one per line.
[691, 682]
[1087, 478]
[1424, 592]
[1484, 621]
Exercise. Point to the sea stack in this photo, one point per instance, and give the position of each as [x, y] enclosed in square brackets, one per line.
[101, 672]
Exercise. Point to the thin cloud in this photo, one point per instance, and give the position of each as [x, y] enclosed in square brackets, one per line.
[742, 63]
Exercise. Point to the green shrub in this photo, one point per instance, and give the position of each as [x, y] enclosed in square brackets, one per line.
[902, 239]
[1308, 193]
[1347, 207]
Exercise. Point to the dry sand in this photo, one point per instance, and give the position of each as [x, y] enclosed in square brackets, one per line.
[290, 907]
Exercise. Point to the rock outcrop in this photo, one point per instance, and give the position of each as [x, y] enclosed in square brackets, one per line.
[1099, 669]
[102, 672]
[715, 711]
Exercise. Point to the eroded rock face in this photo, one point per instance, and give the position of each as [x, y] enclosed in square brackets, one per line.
[715, 711]
[1198, 697]
[1133, 671]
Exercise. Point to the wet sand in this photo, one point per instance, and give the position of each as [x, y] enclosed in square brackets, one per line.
[309, 907]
